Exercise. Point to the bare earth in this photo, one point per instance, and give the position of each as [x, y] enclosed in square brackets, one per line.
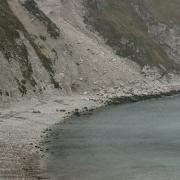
[84, 61]
[23, 124]
[21, 127]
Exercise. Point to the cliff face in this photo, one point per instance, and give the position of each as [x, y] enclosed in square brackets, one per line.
[23, 63]
[162, 20]
[146, 31]
[45, 47]
[48, 46]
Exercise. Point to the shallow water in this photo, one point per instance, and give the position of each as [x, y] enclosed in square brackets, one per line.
[139, 141]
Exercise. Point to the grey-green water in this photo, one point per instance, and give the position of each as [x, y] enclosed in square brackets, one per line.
[139, 141]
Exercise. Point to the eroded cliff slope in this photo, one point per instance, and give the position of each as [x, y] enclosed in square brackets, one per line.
[82, 46]
[47, 47]
[146, 31]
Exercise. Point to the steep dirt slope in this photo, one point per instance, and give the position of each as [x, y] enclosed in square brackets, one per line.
[47, 48]
[166, 11]
[43, 48]
[26, 65]
[146, 31]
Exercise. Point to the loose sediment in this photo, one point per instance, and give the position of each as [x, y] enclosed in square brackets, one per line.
[18, 162]
[23, 125]
[136, 98]
[76, 60]
[21, 129]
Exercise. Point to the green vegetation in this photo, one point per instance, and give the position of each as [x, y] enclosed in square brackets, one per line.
[125, 31]
[166, 11]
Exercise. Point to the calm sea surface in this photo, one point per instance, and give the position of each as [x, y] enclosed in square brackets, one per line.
[139, 141]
